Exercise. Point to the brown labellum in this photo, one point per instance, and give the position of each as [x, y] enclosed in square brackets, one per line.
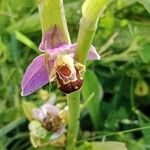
[68, 81]
[52, 123]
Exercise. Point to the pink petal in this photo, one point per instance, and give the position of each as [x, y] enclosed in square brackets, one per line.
[61, 49]
[52, 39]
[35, 76]
[48, 108]
[93, 55]
[37, 114]
[42, 112]
[57, 134]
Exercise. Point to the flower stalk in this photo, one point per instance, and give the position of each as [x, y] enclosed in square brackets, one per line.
[73, 100]
[56, 41]
[91, 11]
[88, 25]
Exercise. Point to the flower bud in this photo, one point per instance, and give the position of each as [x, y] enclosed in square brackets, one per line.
[141, 88]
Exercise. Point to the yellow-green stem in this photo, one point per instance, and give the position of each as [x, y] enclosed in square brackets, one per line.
[73, 101]
[85, 36]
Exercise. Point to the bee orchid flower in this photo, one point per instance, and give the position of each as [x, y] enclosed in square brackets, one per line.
[56, 63]
[47, 126]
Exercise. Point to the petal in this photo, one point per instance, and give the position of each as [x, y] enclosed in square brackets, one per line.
[42, 112]
[93, 55]
[57, 134]
[48, 108]
[35, 76]
[66, 48]
[38, 114]
[52, 39]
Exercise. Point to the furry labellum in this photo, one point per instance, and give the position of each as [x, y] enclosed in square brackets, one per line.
[56, 63]
[68, 74]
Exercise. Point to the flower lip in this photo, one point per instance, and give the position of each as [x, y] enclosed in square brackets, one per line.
[37, 75]
[65, 71]
[68, 84]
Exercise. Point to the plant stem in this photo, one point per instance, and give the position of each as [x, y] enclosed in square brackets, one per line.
[74, 113]
[86, 33]
[73, 99]
[84, 41]
[11, 126]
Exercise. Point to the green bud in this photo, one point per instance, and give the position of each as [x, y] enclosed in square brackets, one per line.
[141, 88]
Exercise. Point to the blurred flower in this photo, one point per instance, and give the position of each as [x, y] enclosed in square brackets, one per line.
[57, 63]
[43, 112]
[141, 88]
[47, 126]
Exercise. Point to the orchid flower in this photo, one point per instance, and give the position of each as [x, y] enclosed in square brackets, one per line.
[47, 125]
[49, 116]
[57, 63]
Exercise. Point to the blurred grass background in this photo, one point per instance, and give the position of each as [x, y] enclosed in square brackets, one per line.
[121, 79]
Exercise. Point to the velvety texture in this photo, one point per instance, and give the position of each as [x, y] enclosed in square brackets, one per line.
[39, 72]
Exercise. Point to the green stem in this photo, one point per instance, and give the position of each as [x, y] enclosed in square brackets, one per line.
[11, 126]
[133, 108]
[85, 37]
[98, 137]
[74, 114]
[74, 98]
[86, 33]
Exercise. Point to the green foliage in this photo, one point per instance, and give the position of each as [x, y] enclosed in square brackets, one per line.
[94, 105]
[134, 145]
[109, 145]
[27, 109]
[146, 4]
[145, 53]
[117, 111]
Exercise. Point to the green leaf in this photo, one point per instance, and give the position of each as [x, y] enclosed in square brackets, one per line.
[92, 85]
[146, 4]
[27, 24]
[25, 40]
[110, 145]
[45, 148]
[144, 122]
[27, 108]
[134, 145]
[144, 52]
[9, 115]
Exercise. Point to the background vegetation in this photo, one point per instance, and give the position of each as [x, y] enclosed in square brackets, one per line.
[119, 109]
